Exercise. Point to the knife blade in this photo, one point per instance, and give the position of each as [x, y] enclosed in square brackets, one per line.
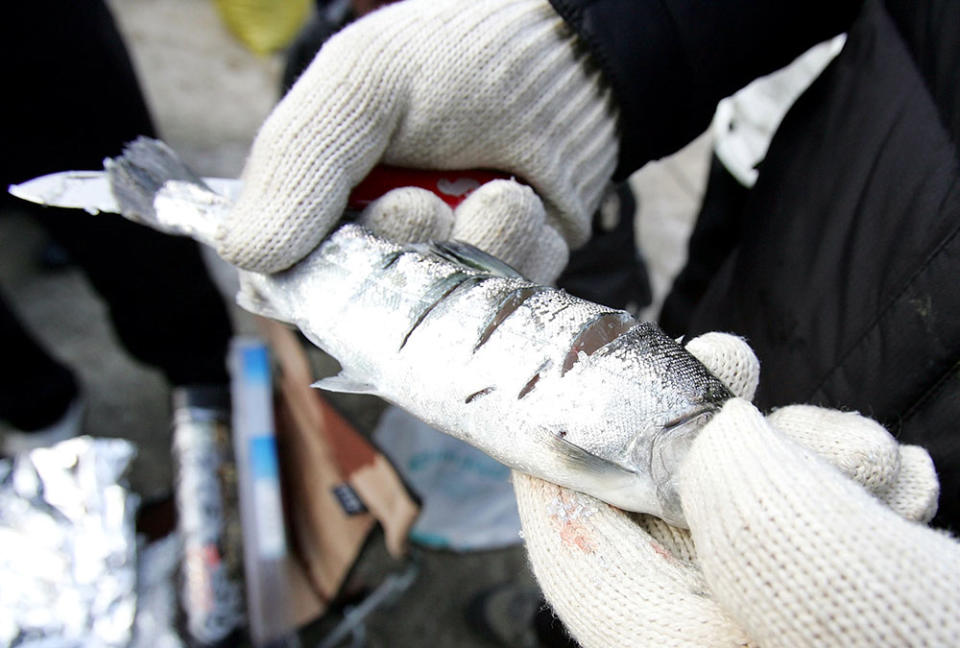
[90, 190]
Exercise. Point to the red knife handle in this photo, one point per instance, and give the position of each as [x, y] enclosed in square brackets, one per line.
[450, 186]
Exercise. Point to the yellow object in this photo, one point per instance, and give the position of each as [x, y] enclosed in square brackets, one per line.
[264, 26]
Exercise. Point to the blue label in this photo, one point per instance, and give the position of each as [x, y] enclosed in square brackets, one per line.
[255, 363]
[263, 459]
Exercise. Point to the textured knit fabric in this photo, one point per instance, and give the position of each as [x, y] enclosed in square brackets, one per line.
[428, 84]
[503, 218]
[609, 581]
[617, 579]
[731, 360]
[409, 214]
[916, 467]
[784, 550]
[801, 556]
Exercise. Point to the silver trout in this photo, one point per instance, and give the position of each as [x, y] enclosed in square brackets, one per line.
[558, 387]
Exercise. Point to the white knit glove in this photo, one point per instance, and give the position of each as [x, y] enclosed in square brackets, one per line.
[438, 84]
[784, 548]
[502, 217]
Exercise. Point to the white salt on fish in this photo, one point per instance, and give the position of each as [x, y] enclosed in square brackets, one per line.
[549, 384]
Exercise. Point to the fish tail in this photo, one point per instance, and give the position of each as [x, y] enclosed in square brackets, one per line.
[149, 171]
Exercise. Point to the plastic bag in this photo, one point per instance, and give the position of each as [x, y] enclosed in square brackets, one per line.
[264, 26]
[468, 500]
[68, 564]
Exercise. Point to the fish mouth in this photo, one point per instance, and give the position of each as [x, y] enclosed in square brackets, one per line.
[667, 452]
[696, 418]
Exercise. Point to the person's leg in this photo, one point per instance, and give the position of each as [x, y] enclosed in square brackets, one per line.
[36, 390]
[163, 305]
[77, 101]
[73, 97]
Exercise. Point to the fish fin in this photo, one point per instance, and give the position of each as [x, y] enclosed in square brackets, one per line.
[344, 384]
[140, 172]
[469, 256]
[251, 299]
[584, 462]
[153, 187]
[255, 304]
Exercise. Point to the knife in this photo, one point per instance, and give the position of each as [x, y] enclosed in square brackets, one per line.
[90, 190]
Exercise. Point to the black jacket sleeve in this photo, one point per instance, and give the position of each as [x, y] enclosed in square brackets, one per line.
[670, 61]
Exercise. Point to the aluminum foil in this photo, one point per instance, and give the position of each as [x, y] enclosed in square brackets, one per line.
[157, 595]
[67, 546]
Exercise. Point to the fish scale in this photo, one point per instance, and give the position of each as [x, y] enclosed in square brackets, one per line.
[547, 383]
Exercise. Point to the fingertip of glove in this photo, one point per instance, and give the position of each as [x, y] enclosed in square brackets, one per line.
[916, 492]
[409, 214]
[548, 257]
[859, 446]
[266, 235]
[507, 219]
[730, 359]
[506, 193]
[498, 211]
[257, 251]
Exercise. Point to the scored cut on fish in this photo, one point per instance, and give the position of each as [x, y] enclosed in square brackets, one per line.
[549, 384]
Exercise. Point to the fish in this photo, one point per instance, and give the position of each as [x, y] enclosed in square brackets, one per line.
[573, 392]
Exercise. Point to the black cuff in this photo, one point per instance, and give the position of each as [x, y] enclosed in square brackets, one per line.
[670, 61]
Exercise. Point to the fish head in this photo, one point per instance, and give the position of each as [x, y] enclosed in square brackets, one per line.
[663, 456]
[686, 397]
[643, 426]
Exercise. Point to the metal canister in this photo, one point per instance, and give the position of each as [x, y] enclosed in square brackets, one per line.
[211, 579]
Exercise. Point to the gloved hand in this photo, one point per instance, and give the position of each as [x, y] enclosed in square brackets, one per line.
[803, 531]
[502, 217]
[441, 84]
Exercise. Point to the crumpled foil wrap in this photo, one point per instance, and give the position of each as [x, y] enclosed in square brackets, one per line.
[67, 546]
[155, 626]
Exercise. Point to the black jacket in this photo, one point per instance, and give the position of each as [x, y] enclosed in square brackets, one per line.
[846, 280]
